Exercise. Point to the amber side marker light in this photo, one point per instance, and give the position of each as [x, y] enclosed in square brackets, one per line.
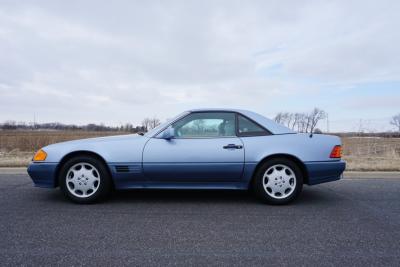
[40, 155]
[336, 152]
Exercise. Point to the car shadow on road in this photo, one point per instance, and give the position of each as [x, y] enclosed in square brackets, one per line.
[309, 196]
[242, 196]
[173, 196]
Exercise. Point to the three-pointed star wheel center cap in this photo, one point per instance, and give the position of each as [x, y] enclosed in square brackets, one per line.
[83, 179]
[279, 181]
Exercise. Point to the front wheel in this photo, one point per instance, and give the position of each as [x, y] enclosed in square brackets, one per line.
[278, 181]
[84, 179]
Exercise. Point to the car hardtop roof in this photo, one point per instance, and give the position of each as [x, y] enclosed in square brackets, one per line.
[216, 109]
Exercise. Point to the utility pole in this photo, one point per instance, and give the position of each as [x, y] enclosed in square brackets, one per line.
[34, 120]
[327, 122]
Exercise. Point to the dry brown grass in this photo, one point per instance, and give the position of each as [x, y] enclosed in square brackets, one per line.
[360, 153]
[18, 147]
[371, 153]
[15, 159]
[33, 140]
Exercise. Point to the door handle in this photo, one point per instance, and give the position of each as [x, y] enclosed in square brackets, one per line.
[233, 146]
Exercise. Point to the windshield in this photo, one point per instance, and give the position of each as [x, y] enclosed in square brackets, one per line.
[152, 132]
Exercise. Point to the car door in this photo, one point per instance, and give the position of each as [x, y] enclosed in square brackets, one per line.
[204, 148]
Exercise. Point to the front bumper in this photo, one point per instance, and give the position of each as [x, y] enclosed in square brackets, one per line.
[43, 174]
[324, 171]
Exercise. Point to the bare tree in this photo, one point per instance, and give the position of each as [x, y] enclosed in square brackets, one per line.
[296, 118]
[289, 119]
[279, 118]
[146, 124]
[128, 127]
[396, 121]
[307, 122]
[283, 118]
[154, 122]
[150, 123]
[302, 121]
[9, 125]
[314, 117]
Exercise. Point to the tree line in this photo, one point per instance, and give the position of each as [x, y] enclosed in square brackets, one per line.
[301, 122]
[305, 122]
[146, 125]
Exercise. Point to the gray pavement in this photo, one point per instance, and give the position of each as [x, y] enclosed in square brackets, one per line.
[354, 222]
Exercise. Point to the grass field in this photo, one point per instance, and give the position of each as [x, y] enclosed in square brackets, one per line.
[18, 147]
[371, 153]
[360, 153]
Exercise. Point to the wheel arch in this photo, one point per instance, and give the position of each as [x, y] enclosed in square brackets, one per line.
[286, 156]
[73, 154]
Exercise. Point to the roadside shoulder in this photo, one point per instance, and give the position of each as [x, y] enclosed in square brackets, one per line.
[13, 170]
[369, 174]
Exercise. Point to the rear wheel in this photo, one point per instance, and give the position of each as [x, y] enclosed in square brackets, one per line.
[278, 181]
[84, 179]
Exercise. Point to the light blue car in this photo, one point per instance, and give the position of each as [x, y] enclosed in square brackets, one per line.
[198, 149]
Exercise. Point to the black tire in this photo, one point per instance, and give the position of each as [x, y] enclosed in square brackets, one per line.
[258, 182]
[104, 186]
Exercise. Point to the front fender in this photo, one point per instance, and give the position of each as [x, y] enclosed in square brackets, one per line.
[124, 149]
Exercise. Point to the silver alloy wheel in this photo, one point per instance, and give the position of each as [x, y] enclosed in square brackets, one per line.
[83, 180]
[279, 181]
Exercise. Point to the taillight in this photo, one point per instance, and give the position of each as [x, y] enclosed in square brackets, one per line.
[336, 152]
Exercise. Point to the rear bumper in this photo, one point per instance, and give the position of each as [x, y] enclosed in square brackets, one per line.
[324, 171]
[43, 174]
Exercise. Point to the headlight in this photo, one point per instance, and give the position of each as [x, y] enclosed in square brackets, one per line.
[40, 155]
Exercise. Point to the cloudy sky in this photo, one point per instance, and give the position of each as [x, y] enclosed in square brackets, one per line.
[120, 61]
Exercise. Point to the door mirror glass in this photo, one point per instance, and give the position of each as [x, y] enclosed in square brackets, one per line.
[168, 133]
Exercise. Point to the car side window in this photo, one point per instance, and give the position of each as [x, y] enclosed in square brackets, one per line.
[205, 125]
[247, 127]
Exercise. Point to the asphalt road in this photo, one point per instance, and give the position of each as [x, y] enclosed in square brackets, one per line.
[350, 222]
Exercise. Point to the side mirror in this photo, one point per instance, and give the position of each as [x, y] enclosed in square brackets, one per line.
[168, 133]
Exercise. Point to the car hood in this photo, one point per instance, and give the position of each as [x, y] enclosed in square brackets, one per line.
[112, 138]
[120, 148]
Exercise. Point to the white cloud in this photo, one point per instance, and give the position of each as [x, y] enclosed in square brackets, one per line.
[374, 102]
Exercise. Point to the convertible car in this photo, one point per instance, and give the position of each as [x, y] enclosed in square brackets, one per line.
[198, 149]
